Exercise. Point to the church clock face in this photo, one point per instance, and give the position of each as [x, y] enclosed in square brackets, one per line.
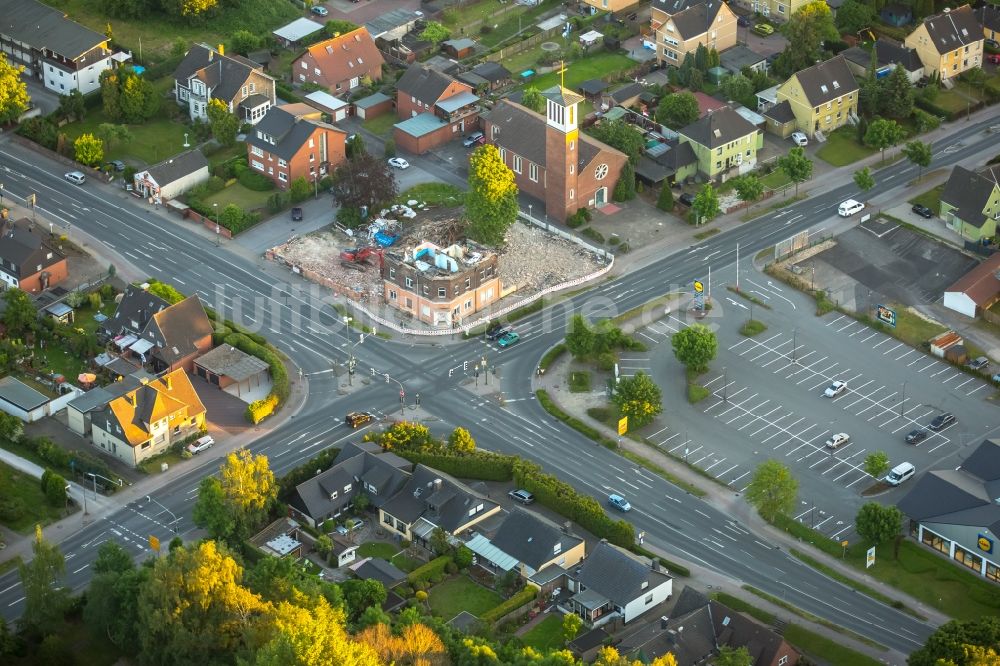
[601, 171]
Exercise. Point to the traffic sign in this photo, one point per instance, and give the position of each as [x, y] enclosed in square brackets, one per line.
[154, 543]
[870, 560]
[698, 287]
[623, 425]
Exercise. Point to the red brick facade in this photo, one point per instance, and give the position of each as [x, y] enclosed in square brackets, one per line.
[340, 64]
[57, 272]
[319, 154]
[408, 106]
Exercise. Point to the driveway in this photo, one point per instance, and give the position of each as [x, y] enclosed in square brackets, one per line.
[225, 411]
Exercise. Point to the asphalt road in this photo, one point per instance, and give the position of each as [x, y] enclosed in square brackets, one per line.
[300, 322]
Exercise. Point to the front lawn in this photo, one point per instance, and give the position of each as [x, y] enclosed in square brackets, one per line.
[25, 491]
[379, 549]
[153, 141]
[382, 125]
[952, 101]
[458, 594]
[842, 148]
[433, 194]
[243, 197]
[591, 67]
[931, 198]
[546, 635]
[776, 180]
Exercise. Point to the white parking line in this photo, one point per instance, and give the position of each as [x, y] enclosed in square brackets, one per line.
[965, 382]
[882, 343]
[874, 333]
[738, 478]
[900, 358]
[722, 474]
[836, 320]
[892, 349]
[981, 387]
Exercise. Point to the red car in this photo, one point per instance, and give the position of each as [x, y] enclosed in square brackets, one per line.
[993, 58]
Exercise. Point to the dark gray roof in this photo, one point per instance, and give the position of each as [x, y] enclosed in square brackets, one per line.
[390, 20]
[696, 19]
[989, 17]
[439, 63]
[229, 361]
[718, 128]
[313, 496]
[437, 498]
[178, 167]
[472, 79]
[223, 74]
[593, 87]
[178, 329]
[618, 576]
[464, 622]
[954, 29]
[382, 571]
[532, 540]
[675, 6]
[426, 84]
[781, 112]
[522, 132]
[627, 92]
[262, 57]
[679, 155]
[886, 53]
[98, 398]
[20, 394]
[652, 171]
[371, 100]
[288, 132]
[493, 72]
[135, 309]
[43, 27]
[688, 633]
[969, 191]
[827, 81]
[737, 57]
[964, 496]
[736, 630]
[23, 249]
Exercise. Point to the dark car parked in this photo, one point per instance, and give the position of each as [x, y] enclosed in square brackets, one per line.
[495, 331]
[923, 211]
[687, 199]
[916, 436]
[943, 421]
[296, 214]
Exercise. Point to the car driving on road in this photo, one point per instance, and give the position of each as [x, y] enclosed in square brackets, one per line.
[398, 163]
[357, 419]
[508, 338]
[619, 503]
[835, 389]
[495, 331]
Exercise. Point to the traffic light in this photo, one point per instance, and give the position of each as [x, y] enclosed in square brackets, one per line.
[451, 371]
[465, 366]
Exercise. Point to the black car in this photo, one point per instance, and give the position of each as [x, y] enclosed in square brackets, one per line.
[117, 164]
[687, 199]
[296, 214]
[916, 436]
[923, 211]
[495, 331]
[943, 421]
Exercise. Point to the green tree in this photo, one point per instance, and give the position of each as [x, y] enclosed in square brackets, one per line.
[389, 148]
[772, 489]
[55, 489]
[579, 337]
[678, 110]
[112, 134]
[110, 94]
[749, 188]
[638, 398]
[355, 147]
[88, 149]
[373, 615]
[864, 179]
[45, 601]
[876, 524]
[435, 33]
[695, 346]
[920, 154]
[701, 58]
[621, 135]
[72, 106]
[625, 187]
[853, 16]
[137, 100]
[439, 541]
[897, 99]
[806, 30]
[20, 315]
[243, 41]
[869, 98]
[112, 597]
[947, 645]
[876, 463]
[665, 200]
[337, 27]
[796, 166]
[232, 217]
[130, 9]
[460, 441]
[323, 545]
[533, 99]
[211, 511]
[883, 133]
[300, 189]
[360, 594]
[738, 87]
[364, 181]
[11, 427]
[491, 203]
[705, 206]
[570, 626]
[14, 97]
[463, 557]
[733, 656]
[225, 125]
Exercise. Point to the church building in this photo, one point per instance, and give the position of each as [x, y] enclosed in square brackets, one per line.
[551, 159]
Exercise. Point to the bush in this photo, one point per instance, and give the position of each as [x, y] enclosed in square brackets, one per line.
[322, 462]
[258, 410]
[483, 465]
[286, 93]
[390, 148]
[255, 181]
[924, 121]
[593, 234]
[426, 572]
[551, 355]
[578, 219]
[522, 598]
[277, 201]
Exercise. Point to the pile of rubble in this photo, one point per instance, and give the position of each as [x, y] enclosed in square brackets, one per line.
[533, 260]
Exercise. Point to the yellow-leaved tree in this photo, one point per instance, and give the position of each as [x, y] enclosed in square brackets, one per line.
[13, 91]
[416, 644]
[491, 204]
[89, 150]
[249, 487]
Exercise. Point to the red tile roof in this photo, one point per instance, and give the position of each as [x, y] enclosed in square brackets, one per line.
[981, 283]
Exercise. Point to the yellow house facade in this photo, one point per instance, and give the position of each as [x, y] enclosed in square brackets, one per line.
[611, 5]
[712, 24]
[774, 10]
[822, 97]
[724, 142]
[948, 43]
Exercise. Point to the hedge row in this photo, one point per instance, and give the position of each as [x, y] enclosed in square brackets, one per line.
[525, 596]
[482, 465]
[307, 470]
[573, 422]
[672, 568]
[551, 356]
[427, 571]
[258, 410]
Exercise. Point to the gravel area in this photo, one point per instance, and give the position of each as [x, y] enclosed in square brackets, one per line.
[534, 260]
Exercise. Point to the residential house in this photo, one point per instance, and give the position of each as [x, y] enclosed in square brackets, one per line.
[80, 411]
[955, 511]
[948, 43]
[61, 53]
[385, 572]
[433, 108]
[613, 585]
[173, 176]
[775, 10]
[671, 161]
[988, 16]
[344, 552]
[977, 290]
[164, 336]
[392, 25]
[896, 14]
[280, 539]
[888, 55]
[551, 160]
[527, 543]
[970, 202]
[27, 259]
[724, 142]
[821, 98]
[233, 371]
[340, 64]
[149, 419]
[698, 627]
[442, 287]
[710, 23]
[293, 34]
[206, 74]
[292, 142]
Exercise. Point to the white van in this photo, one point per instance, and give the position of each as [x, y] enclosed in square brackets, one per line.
[900, 473]
[850, 207]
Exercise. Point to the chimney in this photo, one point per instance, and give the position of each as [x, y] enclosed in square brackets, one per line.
[131, 398]
[222, 49]
[655, 564]
[568, 527]
[169, 382]
[437, 485]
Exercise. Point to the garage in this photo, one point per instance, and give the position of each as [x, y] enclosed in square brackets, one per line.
[327, 103]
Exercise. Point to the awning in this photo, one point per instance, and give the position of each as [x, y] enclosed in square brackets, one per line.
[481, 546]
[141, 346]
[125, 341]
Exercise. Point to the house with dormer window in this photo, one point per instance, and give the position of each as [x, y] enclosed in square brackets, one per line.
[817, 100]
[948, 43]
[710, 23]
[27, 260]
[292, 141]
[241, 84]
[724, 142]
[340, 64]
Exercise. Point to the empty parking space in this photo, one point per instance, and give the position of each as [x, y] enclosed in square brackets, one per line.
[720, 466]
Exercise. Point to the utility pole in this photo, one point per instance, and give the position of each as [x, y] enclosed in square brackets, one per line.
[737, 267]
[902, 399]
[725, 384]
[794, 343]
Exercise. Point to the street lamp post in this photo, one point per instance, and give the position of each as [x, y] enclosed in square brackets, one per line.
[215, 207]
[172, 515]
[1, 195]
[485, 367]
[33, 198]
[1, 202]
[794, 343]
[902, 399]
[725, 384]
